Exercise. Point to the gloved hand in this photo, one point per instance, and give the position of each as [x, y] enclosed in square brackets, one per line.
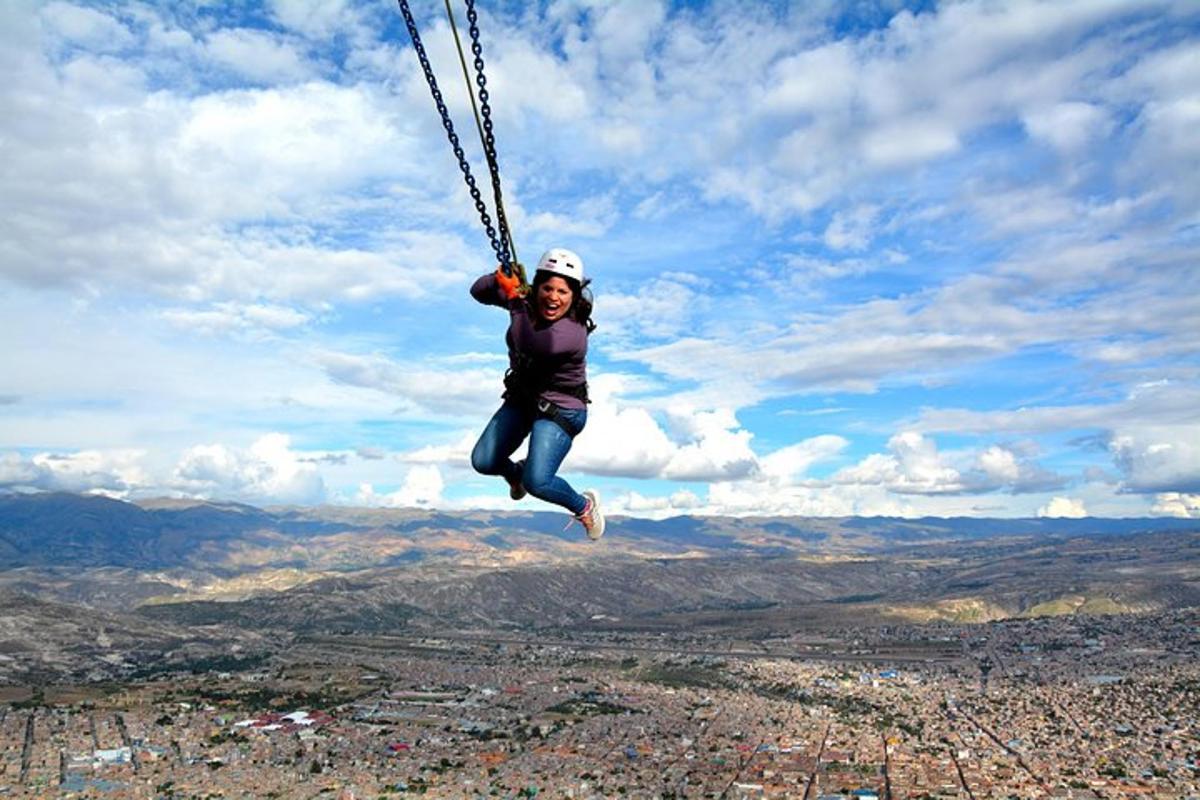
[510, 285]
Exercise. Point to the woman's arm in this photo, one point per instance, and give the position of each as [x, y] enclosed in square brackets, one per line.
[486, 290]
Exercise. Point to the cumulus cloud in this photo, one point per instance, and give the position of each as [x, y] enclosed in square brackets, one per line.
[1158, 460]
[760, 499]
[456, 454]
[1067, 507]
[168, 192]
[113, 472]
[620, 438]
[716, 448]
[913, 466]
[623, 438]
[422, 488]
[269, 471]
[1177, 504]
[1010, 469]
[639, 505]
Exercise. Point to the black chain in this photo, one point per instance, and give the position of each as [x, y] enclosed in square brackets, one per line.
[485, 111]
[500, 244]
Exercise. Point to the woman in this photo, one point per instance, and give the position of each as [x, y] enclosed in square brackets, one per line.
[545, 395]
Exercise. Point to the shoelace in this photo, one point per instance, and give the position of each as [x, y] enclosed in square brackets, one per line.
[587, 512]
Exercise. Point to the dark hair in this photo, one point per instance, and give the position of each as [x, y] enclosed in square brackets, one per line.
[581, 297]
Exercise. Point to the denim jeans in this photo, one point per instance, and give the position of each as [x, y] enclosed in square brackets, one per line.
[548, 446]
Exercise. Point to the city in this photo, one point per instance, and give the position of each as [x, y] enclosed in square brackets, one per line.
[1062, 707]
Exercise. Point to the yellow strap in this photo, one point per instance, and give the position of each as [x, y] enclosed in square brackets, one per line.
[462, 60]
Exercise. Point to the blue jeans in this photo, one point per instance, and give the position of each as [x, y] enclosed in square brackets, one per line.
[548, 446]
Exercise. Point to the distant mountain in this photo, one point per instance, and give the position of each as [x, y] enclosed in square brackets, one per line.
[970, 582]
[42, 640]
[91, 586]
[65, 530]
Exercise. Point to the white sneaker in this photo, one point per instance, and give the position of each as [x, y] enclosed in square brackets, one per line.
[591, 516]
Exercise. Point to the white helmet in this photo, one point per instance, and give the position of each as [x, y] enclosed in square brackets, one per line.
[560, 261]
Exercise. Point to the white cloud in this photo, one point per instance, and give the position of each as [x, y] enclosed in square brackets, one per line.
[1165, 81]
[909, 141]
[232, 317]
[86, 27]
[212, 195]
[759, 499]
[1068, 125]
[320, 19]
[457, 454]
[423, 486]
[269, 471]
[112, 472]
[284, 145]
[1000, 464]
[619, 439]
[852, 230]
[589, 218]
[1156, 406]
[913, 466]
[791, 462]
[1068, 507]
[813, 82]
[1159, 460]
[258, 56]
[625, 439]
[662, 307]
[716, 448]
[1177, 504]
[638, 505]
[430, 389]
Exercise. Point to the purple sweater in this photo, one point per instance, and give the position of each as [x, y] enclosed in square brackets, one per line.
[557, 350]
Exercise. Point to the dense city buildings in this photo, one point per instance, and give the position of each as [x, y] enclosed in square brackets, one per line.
[1063, 707]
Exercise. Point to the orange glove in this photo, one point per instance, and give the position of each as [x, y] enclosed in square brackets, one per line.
[510, 285]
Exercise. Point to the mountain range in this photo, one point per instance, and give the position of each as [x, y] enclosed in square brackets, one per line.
[221, 575]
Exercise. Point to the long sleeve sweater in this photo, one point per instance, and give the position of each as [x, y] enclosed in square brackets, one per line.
[554, 353]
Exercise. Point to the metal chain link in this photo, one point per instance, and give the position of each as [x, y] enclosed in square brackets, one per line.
[489, 138]
[499, 245]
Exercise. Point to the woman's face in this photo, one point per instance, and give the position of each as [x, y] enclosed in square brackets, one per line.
[554, 298]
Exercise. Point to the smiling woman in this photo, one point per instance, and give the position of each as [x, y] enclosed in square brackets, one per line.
[545, 395]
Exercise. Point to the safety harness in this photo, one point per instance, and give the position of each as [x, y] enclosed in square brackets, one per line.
[526, 381]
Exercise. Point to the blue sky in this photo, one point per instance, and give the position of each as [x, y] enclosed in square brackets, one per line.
[849, 258]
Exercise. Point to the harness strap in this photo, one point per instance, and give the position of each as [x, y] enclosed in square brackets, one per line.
[552, 412]
[517, 391]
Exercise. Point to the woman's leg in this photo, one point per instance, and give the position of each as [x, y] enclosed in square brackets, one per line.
[548, 446]
[502, 436]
